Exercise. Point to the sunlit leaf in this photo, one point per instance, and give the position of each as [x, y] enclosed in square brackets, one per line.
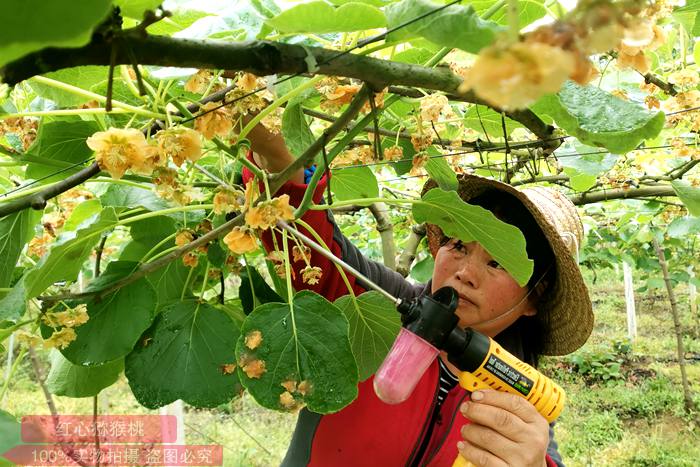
[320, 17]
[296, 130]
[504, 242]
[354, 183]
[597, 118]
[456, 26]
[31, 25]
[689, 195]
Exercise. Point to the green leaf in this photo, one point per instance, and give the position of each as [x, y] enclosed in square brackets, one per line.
[14, 304]
[31, 25]
[15, 231]
[504, 242]
[188, 346]
[528, 11]
[689, 195]
[170, 280]
[83, 77]
[585, 159]
[127, 196]
[63, 142]
[179, 20]
[597, 118]
[216, 255]
[115, 325]
[136, 8]
[70, 380]
[415, 55]
[295, 130]
[487, 121]
[580, 181]
[440, 171]
[354, 183]
[320, 17]
[69, 251]
[681, 227]
[10, 432]
[302, 342]
[456, 26]
[422, 271]
[254, 291]
[687, 15]
[81, 212]
[374, 325]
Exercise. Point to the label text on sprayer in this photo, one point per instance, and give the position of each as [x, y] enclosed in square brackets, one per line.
[508, 375]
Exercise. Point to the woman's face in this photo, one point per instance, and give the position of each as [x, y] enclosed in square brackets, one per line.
[485, 289]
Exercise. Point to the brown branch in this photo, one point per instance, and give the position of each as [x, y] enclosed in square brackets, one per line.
[622, 193]
[259, 57]
[39, 199]
[668, 88]
[98, 254]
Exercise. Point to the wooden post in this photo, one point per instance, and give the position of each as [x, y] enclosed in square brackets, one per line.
[10, 354]
[692, 293]
[629, 299]
[177, 409]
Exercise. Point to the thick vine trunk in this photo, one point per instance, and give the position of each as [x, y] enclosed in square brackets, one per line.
[409, 252]
[689, 405]
[386, 233]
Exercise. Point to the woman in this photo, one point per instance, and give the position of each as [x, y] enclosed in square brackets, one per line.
[551, 315]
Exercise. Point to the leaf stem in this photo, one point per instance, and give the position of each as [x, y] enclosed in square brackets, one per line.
[320, 241]
[98, 97]
[148, 215]
[290, 298]
[363, 202]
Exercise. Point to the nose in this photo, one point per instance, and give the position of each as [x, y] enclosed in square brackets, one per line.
[468, 272]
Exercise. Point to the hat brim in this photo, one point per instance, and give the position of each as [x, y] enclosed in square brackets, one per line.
[566, 310]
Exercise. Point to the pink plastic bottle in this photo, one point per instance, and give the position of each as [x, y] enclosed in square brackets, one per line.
[409, 358]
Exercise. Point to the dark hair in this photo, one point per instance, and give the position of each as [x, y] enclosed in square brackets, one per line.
[526, 335]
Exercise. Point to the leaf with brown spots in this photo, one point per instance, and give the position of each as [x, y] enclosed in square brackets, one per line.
[305, 341]
[253, 339]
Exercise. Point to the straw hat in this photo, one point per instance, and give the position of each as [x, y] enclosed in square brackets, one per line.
[566, 305]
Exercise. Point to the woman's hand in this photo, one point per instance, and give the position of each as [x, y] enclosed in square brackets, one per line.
[505, 430]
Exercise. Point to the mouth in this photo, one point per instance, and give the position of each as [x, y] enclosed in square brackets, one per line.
[464, 300]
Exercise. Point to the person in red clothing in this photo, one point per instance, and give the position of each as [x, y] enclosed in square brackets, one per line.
[551, 315]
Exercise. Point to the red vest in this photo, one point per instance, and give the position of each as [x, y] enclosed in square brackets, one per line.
[370, 432]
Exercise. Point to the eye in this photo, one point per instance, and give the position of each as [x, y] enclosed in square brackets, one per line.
[459, 246]
[494, 264]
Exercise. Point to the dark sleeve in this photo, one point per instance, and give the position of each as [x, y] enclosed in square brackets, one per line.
[299, 451]
[331, 284]
[553, 456]
[386, 278]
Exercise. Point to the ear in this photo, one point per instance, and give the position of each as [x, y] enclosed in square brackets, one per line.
[529, 309]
